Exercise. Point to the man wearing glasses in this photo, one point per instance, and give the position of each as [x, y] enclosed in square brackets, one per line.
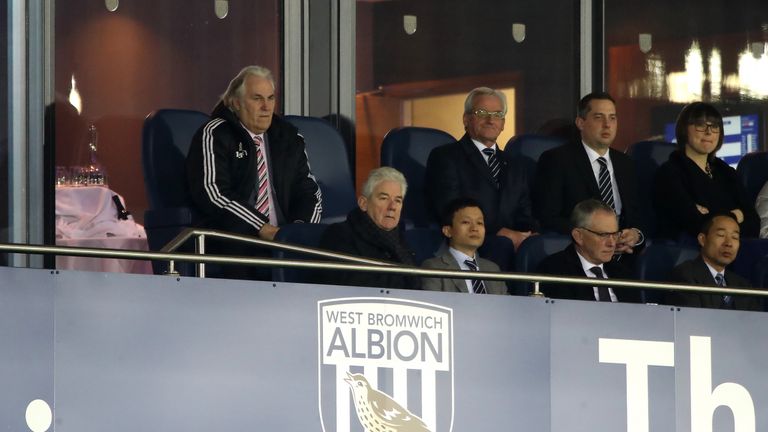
[595, 235]
[475, 167]
[577, 171]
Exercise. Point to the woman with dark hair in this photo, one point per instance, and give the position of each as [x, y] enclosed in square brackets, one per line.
[694, 182]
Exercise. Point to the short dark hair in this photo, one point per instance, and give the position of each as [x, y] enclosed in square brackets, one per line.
[455, 205]
[583, 211]
[689, 115]
[584, 107]
[709, 220]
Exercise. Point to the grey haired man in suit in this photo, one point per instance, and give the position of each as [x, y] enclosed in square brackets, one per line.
[464, 228]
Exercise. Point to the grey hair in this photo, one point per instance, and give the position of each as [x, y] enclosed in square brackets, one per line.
[383, 174]
[484, 91]
[236, 87]
[582, 213]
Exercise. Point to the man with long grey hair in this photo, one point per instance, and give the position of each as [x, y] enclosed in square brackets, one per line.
[247, 168]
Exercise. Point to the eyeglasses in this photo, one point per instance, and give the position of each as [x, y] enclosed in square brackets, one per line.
[483, 114]
[702, 127]
[605, 235]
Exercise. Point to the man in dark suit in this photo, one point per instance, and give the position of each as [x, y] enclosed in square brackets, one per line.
[464, 227]
[578, 171]
[595, 236]
[719, 239]
[474, 167]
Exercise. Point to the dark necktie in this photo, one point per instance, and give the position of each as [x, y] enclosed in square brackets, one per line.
[604, 183]
[493, 164]
[262, 197]
[478, 286]
[720, 281]
[602, 291]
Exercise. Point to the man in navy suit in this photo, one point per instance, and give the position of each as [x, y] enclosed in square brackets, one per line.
[595, 233]
[577, 171]
[719, 239]
[474, 167]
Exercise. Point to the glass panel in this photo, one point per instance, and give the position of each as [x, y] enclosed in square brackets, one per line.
[656, 62]
[416, 61]
[114, 68]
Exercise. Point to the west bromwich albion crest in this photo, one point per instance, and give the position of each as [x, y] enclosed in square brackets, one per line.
[385, 364]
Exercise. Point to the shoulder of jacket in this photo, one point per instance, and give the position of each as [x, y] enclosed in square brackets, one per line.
[489, 265]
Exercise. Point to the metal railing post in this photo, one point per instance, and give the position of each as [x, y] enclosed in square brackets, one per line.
[200, 250]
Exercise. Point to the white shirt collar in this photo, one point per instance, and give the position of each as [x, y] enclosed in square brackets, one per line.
[253, 135]
[480, 146]
[713, 271]
[593, 155]
[460, 257]
[586, 265]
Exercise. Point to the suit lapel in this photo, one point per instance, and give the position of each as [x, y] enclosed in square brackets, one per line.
[585, 169]
[702, 276]
[585, 292]
[477, 160]
[618, 172]
[451, 264]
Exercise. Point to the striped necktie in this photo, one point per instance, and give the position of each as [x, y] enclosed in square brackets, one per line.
[493, 164]
[720, 281]
[262, 197]
[604, 183]
[478, 286]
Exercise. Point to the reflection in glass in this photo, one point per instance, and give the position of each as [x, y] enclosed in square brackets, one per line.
[74, 96]
[753, 71]
[715, 74]
[688, 85]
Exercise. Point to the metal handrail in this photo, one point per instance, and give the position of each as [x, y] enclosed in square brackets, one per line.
[201, 234]
[389, 268]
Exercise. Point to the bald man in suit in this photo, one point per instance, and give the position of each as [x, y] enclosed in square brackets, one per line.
[719, 240]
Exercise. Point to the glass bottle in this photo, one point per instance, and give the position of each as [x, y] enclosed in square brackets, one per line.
[97, 175]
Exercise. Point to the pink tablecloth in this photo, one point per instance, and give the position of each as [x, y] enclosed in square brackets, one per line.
[87, 217]
[105, 264]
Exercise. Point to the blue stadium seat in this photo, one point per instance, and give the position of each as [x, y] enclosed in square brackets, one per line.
[528, 148]
[302, 235]
[329, 162]
[425, 242]
[407, 149]
[166, 137]
[751, 251]
[753, 172]
[656, 262]
[531, 146]
[760, 276]
[532, 251]
[648, 156]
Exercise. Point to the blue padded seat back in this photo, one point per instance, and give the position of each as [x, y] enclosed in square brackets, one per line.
[407, 149]
[166, 138]
[753, 173]
[329, 162]
[302, 235]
